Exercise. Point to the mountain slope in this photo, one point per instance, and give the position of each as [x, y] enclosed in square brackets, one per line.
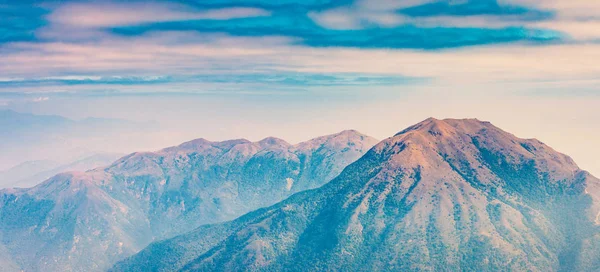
[449, 195]
[88, 221]
[6, 262]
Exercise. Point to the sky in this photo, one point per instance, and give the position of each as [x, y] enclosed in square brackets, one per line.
[222, 69]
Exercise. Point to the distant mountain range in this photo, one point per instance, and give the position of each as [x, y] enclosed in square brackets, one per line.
[39, 139]
[443, 195]
[31, 173]
[87, 221]
[18, 126]
[10, 177]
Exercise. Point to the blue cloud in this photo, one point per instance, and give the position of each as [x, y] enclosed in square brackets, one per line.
[278, 78]
[310, 79]
[475, 7]
[289, 18]
[309, 33]
[430, 38]
[275, 5]
[19, 22]
[83, 80]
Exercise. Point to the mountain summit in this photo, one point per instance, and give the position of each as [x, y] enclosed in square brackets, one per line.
[442, 195]
[87, 221]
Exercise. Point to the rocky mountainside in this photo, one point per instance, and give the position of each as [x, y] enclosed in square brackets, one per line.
[6, 263]
[443, 195]
[86, 221]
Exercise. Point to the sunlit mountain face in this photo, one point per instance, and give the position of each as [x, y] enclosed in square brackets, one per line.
[441, 195]
[100, 103]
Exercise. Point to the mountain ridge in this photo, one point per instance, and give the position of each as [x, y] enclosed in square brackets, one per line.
[441, 195]
[114, 211]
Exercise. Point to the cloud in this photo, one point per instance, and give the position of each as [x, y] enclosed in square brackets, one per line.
[576, 9]
[338, 19]
[388, 13]
[86, 44]
[148, 55]
[256, 79]
[475, 7]
[302, 79]
[356, 17]
[577, 30]
[19, 22]
[40, 99]
[309, 33]
[81, 80]
[179, 56]
[287, 5]
[312, 23]
[95, 15]
[580, 19]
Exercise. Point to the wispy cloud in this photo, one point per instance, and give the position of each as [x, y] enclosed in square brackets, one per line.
[285, 5]
[260, 79]
[166, 60]
[470, 8]
[579, 19]
[40, 99]
[289, 43]
[339, 30]
[97, 15]
[79, 80]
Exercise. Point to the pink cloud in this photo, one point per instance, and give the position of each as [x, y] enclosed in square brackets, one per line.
[94, 15]
[40, 99]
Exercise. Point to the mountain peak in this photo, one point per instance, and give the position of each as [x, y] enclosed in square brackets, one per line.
[344, 137]
[272, 141]
[348, 132]
[435, 126]
[441, 142]
[202, 144]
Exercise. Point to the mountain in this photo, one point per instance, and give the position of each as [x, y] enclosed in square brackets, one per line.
[15, 122]
[442, 195]
[86, 221]
[26, 137]
[31, 173]
[24, 170]
[18, 123]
